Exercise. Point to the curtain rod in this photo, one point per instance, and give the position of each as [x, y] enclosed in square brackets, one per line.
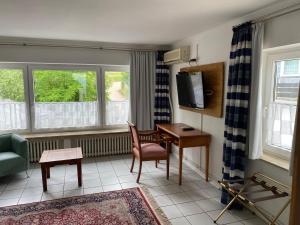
[28, 44]
[278, 13]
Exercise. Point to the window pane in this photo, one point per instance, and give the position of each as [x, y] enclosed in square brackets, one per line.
[65, 98]
[286, 83]
[12, 100]
[291, 66]
[116, 97]
[282, 109]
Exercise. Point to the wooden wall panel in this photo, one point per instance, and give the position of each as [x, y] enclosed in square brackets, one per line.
[213, 79]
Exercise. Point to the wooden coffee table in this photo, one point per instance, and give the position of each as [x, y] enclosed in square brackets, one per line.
[52, 158]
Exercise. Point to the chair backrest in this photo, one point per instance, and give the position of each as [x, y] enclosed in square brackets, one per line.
[134, 136]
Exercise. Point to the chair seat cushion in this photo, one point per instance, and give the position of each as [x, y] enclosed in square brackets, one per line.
[152, 151]
[11, 162]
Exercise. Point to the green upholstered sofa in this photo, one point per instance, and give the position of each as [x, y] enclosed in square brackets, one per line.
[13, 154]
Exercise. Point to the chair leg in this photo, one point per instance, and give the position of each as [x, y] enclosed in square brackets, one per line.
[156, 162]
[132, 164]
[140, 170]
[26, 173]
[168, 168]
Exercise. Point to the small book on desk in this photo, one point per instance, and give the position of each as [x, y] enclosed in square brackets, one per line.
[187, 128]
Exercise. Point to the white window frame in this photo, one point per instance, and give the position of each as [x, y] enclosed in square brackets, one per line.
[29, 92]
[32, 67]
[21, 66]
[269, 57]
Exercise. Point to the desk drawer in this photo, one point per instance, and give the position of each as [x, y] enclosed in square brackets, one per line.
[194, 141]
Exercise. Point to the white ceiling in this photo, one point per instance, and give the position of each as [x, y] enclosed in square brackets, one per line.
[122, 21]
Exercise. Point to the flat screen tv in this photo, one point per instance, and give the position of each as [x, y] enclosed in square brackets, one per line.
[190, 89]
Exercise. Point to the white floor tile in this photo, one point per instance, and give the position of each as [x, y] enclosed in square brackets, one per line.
[71, 193]
[171, 211]
[112, 187]
[255, 221]
[109, 180]
[180, 198]
[180, 221]
[163, 200]
[126, 179]
[200, 219]
[9, 202]
[92, 183]
[92, 190]
[71, 186]
[30, 199]
[189, 208]
[227, 217]
[210, 204]
[11, 194]
[129, 185]
[51, 196]
[32, 192]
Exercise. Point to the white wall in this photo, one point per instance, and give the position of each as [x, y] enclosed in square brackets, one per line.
[62, 55]
[214, 46]
[11, 53]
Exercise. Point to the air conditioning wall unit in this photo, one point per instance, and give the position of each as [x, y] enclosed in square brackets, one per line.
[179, 55]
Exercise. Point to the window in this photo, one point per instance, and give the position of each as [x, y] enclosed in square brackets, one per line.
[116, 97]
[62, 97]
[12, 98]
[282, 84]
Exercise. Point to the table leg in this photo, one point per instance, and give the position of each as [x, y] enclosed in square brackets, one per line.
[48, 172]
[207, 162]
[44, 176]
[79, 173]
[180, 165]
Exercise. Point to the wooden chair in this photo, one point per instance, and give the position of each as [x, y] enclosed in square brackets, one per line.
[146, 147]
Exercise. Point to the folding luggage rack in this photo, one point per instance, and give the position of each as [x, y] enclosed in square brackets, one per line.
[257, 188]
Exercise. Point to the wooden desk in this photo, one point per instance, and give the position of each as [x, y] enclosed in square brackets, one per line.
[186, 139]
[51, 158]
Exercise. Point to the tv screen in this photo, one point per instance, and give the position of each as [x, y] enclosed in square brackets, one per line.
[190, 90]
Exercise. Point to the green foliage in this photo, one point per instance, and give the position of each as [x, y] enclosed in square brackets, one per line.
[64, 86]
[11, 85]
[59, 85]
[111, 77]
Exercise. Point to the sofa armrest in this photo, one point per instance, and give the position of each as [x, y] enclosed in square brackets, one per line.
[19, 145]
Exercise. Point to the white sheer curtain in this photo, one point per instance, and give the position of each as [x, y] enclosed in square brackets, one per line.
[256, 107]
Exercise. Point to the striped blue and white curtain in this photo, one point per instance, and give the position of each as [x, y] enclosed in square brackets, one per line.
[236, 118]
[162, 108]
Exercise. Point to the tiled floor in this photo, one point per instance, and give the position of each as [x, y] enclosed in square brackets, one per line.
[194, 203]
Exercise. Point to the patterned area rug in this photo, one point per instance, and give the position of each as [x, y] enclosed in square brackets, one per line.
[122, 207]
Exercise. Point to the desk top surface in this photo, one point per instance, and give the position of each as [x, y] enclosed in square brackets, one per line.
[175, 129]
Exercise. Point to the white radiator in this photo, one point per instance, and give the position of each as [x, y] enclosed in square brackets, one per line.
[103, 145]
[37, 146]
[92, 145]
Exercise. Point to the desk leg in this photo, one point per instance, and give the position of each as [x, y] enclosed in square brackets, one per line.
[44, 176]
[207, 161]
[180, 165]
[79, 173]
